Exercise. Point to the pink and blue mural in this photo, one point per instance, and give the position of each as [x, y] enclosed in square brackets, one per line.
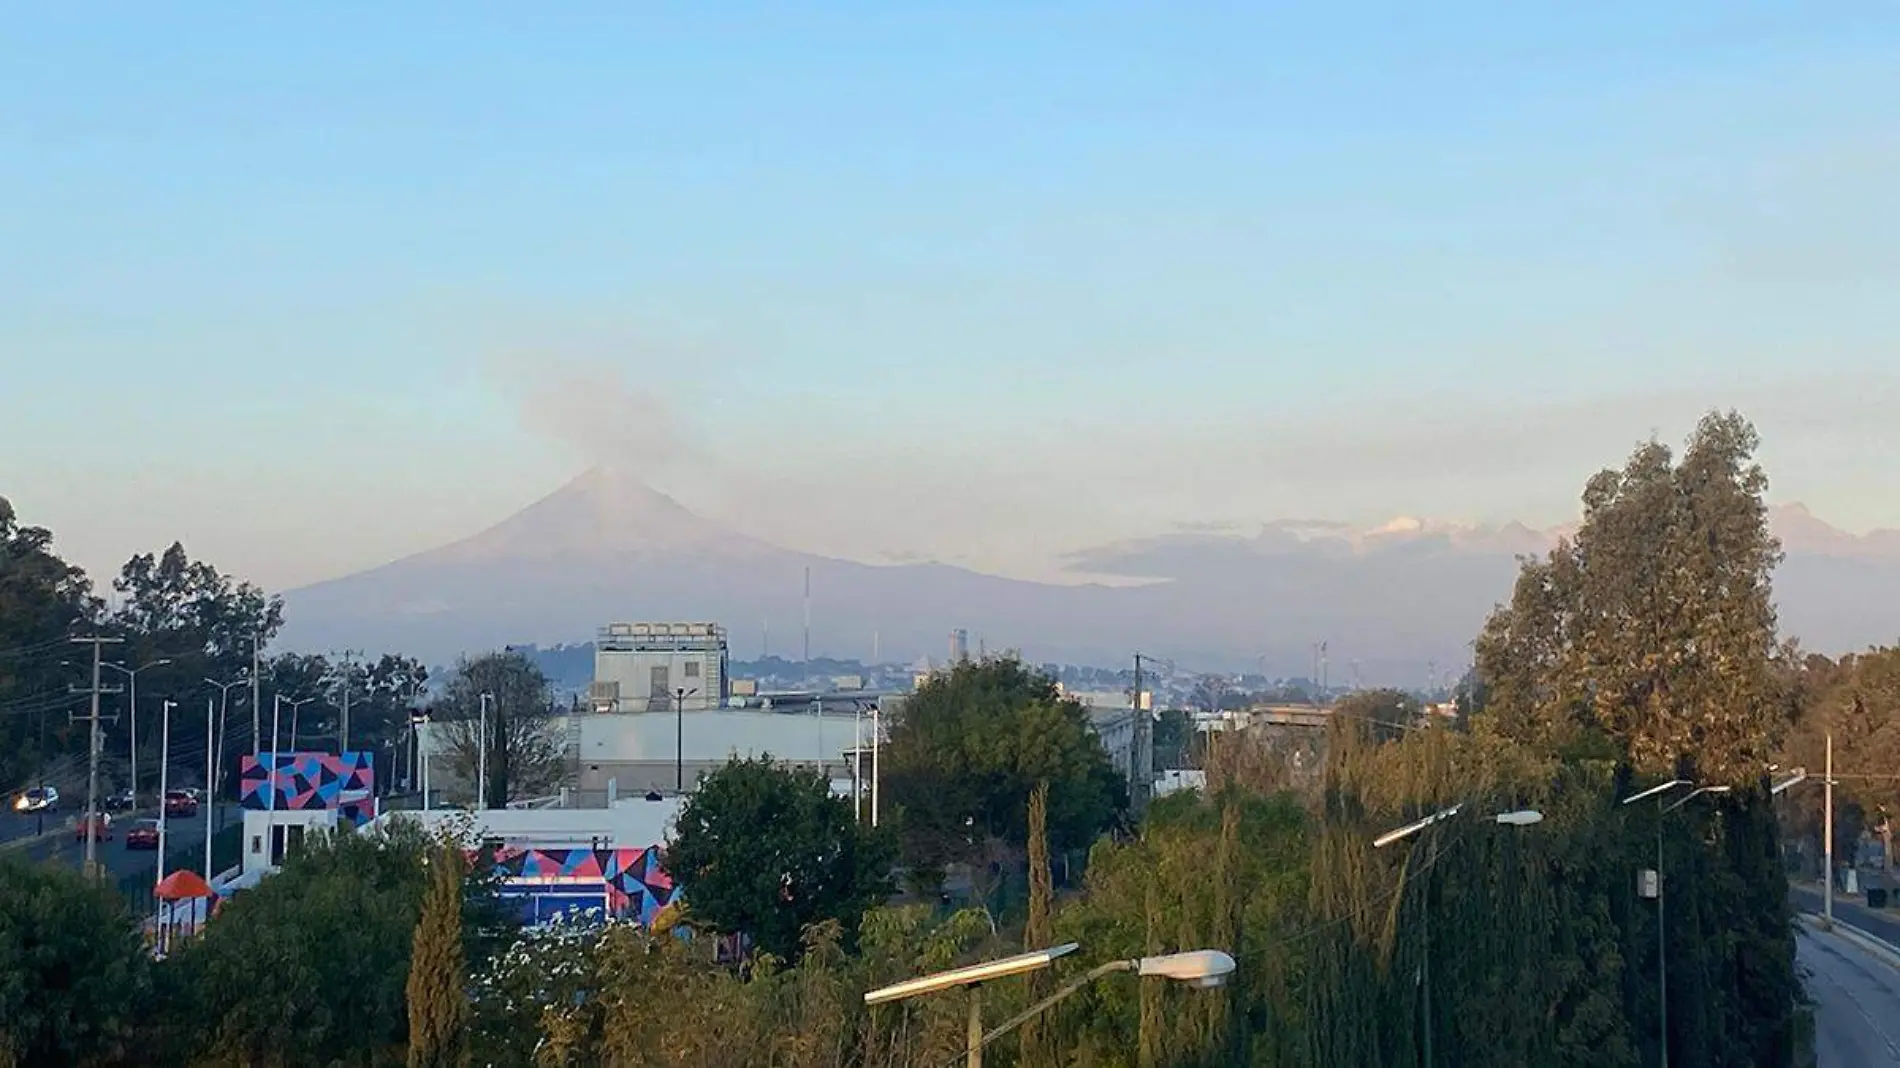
[345, 782]
[626, 883]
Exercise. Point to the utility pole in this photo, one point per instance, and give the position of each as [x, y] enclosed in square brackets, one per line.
[1141, 773]
[92, 745]
[1827, 833]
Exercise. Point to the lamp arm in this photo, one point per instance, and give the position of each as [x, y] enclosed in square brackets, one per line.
[1063, 994]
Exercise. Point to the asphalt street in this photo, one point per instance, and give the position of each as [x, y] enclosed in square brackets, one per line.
[1856, 1002]
[65, 847]
[1881, 923]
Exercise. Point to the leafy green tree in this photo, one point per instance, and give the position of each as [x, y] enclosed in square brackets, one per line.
[43, 600]
[73, 970]
[1389, 713]
[525, 755]
[1654, 627]
[438, 975]
[309, 966]
[969, 746]
[767, 851]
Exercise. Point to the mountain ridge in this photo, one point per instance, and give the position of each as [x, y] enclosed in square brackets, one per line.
[1395, 596]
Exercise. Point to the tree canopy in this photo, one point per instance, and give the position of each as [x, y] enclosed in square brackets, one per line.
[73, 972]
[1654, 627]
[525, 757]
[971, 744]
[767, 851]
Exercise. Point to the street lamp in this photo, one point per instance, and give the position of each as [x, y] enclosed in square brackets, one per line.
[1517, 818]
[132, 707]
[1201, 968]
[481, 755]
[679, 737]
[1662, 946]
[164, 781]
[216, 741]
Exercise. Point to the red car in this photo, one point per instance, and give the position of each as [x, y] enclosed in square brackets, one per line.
[143, 836]
[180, 803]
[100, 825]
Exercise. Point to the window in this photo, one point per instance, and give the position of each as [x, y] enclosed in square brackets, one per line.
[692, 669]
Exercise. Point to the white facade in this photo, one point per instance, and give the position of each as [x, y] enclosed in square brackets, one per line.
[641, 667]
[665, 751]
[270, 836]
[633, 823]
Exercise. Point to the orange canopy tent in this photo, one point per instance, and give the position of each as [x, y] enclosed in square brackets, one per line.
[183, 885]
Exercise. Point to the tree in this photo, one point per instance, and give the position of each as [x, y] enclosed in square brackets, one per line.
[1654, 627]
[1039, 932]
[43, 600]
[767, 851]
[438, 974]
[526, 757]
[315, 958]
[969, 746]
[1389, 713]
[73, 972]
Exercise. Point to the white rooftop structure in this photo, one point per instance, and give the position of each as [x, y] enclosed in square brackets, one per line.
[631, 823]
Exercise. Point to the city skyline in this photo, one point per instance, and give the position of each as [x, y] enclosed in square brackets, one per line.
[319, 289]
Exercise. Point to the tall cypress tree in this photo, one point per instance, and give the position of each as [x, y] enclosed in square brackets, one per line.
[1039, 933]
[438, 1000]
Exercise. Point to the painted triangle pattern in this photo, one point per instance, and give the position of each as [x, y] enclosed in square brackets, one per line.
[308, 781]
[635, 884]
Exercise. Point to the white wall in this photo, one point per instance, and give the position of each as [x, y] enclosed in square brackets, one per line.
[717, 736]
[632, 670]
[629, 824]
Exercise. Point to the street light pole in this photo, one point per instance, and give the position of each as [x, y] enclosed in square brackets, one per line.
[1199, 968]
[132, 726]
[481, 757]
[1662, 942]
[164, 781]
[1519, 818]
[679, 737]
[1827, 845]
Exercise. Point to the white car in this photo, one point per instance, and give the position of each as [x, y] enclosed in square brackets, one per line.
[37, 799]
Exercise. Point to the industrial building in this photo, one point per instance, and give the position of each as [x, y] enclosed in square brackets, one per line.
[649, 667]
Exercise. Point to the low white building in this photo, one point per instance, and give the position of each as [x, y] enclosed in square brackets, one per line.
[662, 750]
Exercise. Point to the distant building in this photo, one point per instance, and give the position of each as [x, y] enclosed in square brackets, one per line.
[639, 753]
[643, 667]
[1112, 718]
[959, 646]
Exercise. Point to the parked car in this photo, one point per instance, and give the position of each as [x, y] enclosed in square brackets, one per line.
[121, 801]
[37, 799]
[143, 835]
[180, 803]
[100, 825]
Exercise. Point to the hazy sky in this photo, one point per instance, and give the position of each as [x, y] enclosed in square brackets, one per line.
[312, 286]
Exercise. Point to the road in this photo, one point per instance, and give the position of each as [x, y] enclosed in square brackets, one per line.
[1883, 923]
[120, 862]
[1856, 1002]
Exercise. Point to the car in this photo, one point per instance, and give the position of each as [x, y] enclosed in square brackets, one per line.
[37, 799]
[100, 825]
[180, 803]
[121, 801]
[144, 835]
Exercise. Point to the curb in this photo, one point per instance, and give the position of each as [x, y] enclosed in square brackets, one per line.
[1886, 951]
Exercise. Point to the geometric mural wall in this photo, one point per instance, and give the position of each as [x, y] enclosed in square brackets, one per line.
[303, 781]
[634, 884]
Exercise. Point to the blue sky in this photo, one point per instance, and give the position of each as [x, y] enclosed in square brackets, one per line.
[316, 285]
